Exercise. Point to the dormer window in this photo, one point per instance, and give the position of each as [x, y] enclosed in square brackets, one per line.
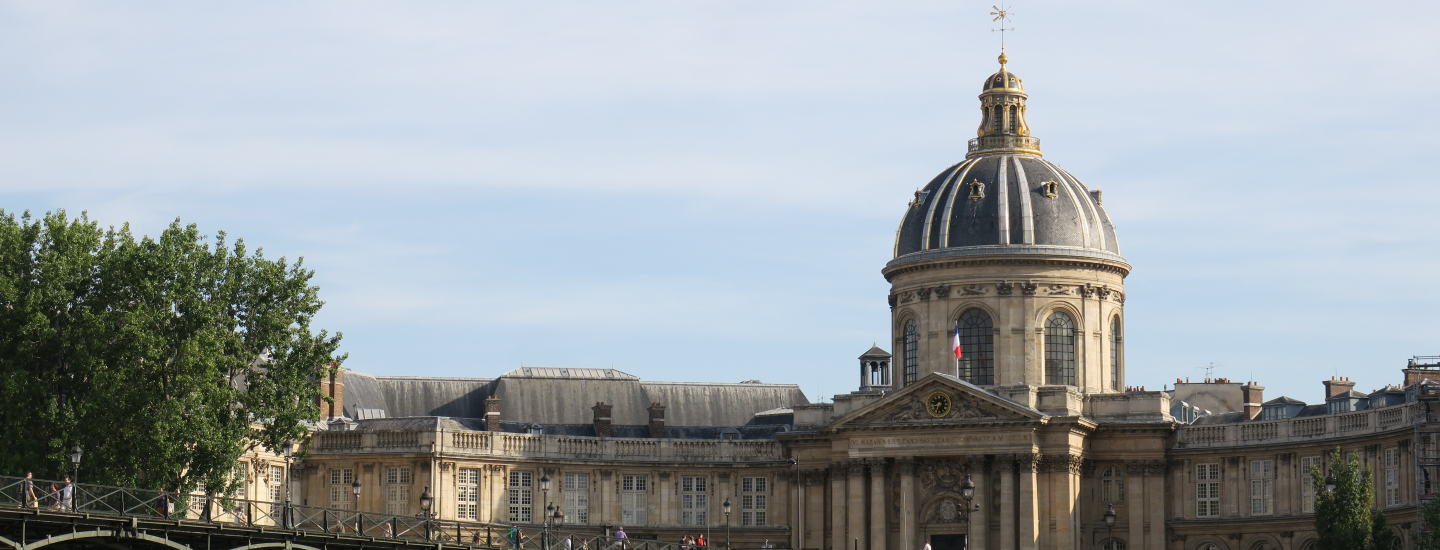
[1052, 189]
[534, 429]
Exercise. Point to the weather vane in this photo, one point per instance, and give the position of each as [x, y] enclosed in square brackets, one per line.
[1002, 15]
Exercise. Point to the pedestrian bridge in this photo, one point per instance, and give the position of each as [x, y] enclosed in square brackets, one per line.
[101, 517]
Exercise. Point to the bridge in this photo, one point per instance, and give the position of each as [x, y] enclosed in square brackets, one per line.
[102, 517]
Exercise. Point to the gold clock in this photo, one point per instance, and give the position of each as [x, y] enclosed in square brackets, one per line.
[938, 404]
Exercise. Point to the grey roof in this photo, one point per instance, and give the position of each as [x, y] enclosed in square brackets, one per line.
[875, 351]
[547, 400]
[1222, 418]
[1312, 410]
[759, 431]
[1283, 400]
[556, 372]
[1347, 394]
[1013, 211]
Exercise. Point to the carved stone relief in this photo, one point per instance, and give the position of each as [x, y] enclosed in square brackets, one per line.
[907, 297]
[924, 294]
[942, 291]
[943, 475]
[1055, 290]
[1004, 288]
[972, 290]
[1028, 288]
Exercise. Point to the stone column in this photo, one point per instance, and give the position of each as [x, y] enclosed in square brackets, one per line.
[979, 520]
[1135, 504]
[909, 538]
[877, 504]
[1065, 485]
[1006, 466]
[855, 508]
[1155, 503]
[839, 471]
[1029, 507]
[797, 507]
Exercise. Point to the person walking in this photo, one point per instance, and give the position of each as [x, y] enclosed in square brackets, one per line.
[52, 498]
[162, 504]
[927, 546]
[27, 492]
[621, 538]
[67, 495]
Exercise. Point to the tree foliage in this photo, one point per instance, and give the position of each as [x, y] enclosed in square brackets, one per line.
[1343, 517]
[1381, 537]
[1429, 534]
[163, 358]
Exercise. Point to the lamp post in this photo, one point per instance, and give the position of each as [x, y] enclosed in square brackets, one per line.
[355, 488]
[287, 451]
[1330, 481]
[74, 479]
[1109, 518]
[425, 502]
[726, 507]
[967, 492]
[545, 519]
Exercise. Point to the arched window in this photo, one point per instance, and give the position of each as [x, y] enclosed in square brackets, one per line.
[1060, 350]
[912, 352]
[1113, 544]
[1115, 354]
[977, 348]
[1112, 485]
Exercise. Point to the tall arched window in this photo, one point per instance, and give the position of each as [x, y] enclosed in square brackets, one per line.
[1113, 544]
[1115, 354]
[1112, 485]
[977, 348]
[912, 352]
[1060, 350]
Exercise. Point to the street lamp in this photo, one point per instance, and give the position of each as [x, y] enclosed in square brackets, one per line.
[967, 492]
[355, 488]
[1109, 518]
[545, 519]
[75, 460]
[287, 450]
[726, 507]
[1330, 482]
[425, 501]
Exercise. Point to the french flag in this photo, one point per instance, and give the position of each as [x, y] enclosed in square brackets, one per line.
[958, 354]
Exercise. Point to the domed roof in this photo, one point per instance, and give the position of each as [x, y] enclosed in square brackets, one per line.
[1005, 198]
[1006, 204]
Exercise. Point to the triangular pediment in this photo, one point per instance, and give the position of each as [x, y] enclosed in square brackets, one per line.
[940, 399]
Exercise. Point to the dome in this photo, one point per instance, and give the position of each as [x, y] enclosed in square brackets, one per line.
[1005, 198]
[1006, 204]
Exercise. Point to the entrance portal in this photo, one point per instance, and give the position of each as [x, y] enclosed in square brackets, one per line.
[947, 542]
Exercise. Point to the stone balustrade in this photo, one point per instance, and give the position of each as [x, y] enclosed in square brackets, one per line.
[1298, 430]
[558, 447]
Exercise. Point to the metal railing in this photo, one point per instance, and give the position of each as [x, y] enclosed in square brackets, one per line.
[85, 498]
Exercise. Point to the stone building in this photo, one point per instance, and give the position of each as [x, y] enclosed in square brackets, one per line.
[1006, 254]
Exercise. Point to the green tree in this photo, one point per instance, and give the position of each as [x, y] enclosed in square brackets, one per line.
[1428, 536]
[1343, 516]
[1381, 537]
[164, 358]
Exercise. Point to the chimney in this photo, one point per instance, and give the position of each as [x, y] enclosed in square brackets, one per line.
[1253, 396]
[333, 387]
[657, 420]
[602, 419]
[1336, 386]
[492, 414]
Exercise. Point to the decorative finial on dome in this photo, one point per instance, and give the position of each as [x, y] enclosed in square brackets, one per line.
[1003, 59]
[1003, 16]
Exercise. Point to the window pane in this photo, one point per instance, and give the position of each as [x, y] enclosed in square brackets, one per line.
[977, 345]
[1060, 349]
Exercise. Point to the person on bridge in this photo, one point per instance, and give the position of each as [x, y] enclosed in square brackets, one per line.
[27, 492]
[162, 504]
[67, 495]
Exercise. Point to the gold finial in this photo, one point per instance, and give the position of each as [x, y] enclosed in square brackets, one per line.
[1003, 59]
[1003, 16]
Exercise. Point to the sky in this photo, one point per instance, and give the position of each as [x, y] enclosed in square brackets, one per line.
[707, 190]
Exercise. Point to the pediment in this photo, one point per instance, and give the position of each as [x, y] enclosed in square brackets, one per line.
[924, 403]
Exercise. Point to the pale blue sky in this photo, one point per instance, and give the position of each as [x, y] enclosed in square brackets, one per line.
[707, 190]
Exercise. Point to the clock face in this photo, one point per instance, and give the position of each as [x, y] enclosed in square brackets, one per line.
[938, 404]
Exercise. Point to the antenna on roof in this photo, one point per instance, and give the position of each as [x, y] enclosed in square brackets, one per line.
[1210, 369]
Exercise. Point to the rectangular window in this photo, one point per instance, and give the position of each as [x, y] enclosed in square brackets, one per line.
[1307, 484]
[577, 499]
[754, 499]
[522, 493]
[1262, 487]
[633, 501]
[1392, 477]
[1207, 490]
[397, 491]
[693, 501]
[276, 483]
[467, 494]
[340, 492]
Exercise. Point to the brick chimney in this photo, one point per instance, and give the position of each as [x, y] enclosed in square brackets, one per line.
[657, 420]
[1336, 386]
[333, 386]
[492, 414]
[602, 419]
[1253, 396]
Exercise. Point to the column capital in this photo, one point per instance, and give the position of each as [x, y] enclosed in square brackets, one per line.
[905, 465]
[856, 467]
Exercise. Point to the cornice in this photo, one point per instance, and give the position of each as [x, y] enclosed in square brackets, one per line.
[1006, 256]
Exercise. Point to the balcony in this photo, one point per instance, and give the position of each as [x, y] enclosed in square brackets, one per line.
[1014, 144]
[1298, 430]
[555, 447]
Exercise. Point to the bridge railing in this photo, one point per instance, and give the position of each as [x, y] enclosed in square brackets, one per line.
[132, 502]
